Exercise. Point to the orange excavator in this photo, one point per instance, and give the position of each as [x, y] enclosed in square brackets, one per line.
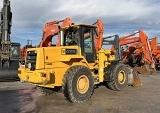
[137, 52]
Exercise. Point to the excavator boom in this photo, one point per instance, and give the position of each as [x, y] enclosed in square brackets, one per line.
[99, 35]
[52, 29]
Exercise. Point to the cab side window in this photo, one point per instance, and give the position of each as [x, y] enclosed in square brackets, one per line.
[72, 37]
[88, 41]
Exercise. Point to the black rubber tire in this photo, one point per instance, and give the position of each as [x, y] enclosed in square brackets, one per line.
[114, 83]
[46, 91]
[70, 82]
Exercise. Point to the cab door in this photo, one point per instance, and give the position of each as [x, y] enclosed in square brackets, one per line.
[88, 44]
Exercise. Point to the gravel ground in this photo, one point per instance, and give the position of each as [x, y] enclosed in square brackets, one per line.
[18, 97]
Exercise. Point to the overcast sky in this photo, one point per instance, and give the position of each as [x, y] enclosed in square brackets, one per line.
[119, 16]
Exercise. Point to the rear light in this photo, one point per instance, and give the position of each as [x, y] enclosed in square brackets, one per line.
[43, 74]
[19, 71]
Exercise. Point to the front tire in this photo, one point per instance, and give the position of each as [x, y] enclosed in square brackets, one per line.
[119, 77]
[78, 84]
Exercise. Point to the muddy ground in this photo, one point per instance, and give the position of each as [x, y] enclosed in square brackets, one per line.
[17, 97]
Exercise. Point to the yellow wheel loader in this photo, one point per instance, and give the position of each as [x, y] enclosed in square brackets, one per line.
[75, 65]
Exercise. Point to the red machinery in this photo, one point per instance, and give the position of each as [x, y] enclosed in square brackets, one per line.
[137, 52]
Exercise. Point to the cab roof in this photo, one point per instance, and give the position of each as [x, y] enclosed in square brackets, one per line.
[82, 25]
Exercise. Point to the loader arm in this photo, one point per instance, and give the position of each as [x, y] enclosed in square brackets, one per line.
[99, 35]
[129, 41]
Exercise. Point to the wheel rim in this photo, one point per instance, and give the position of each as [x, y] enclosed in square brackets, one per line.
[82, 84]
[121, 77]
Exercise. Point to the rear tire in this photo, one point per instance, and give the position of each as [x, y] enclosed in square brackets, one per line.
[78, 84]
[119, 77]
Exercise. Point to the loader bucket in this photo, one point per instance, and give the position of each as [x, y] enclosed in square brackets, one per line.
[137, 82]
[145, 70]
[133, 78]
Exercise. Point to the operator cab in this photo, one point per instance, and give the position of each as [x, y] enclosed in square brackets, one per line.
[81, 35]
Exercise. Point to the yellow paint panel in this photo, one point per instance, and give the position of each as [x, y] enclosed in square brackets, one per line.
[54, 62]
